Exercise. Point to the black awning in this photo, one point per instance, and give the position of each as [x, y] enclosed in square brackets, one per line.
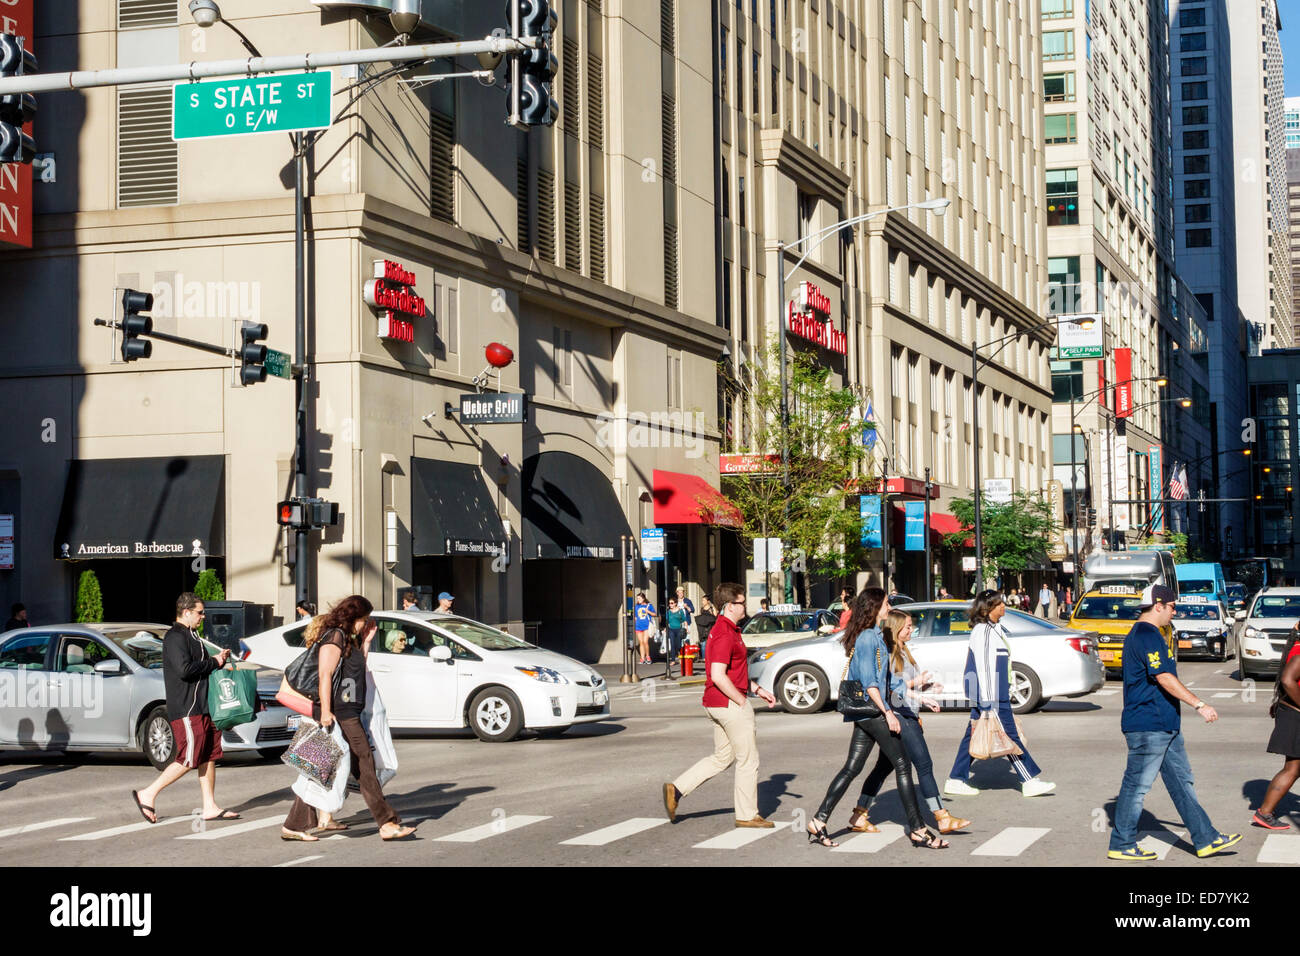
[452, 510]
[142, 508]
[569, 508]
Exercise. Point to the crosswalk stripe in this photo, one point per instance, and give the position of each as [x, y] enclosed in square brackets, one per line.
[617, 832]
[118, 831]
[1011, 842]
[219, 831]
[1160, 842]
[740, 836]
[304, 859]
[43, 825]
[490, 829]
[1224, 694]
[1105, 693]
[1280, 848]
[871, 842]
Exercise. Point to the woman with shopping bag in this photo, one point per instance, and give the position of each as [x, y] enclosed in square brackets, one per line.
[341, 640]
[992, 731]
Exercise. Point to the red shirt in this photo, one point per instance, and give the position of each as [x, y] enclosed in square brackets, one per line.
[844, 617]
[726, 646]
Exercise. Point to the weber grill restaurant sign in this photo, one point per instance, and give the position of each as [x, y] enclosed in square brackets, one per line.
[493, 408]
[17, 17]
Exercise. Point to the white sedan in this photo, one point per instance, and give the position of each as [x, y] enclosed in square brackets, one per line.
[444, 671]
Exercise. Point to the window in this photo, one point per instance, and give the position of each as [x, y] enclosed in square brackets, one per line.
[1197, 212]
[1196, 115]
[79, 655]
[1196, 164]
[1057, 9]
[1191, 17]
[1194, 66]
[1200, 90]
[1191, 42]
[1060, 128]
[1059, 45]
[1196, 189]
[1196, 139]
[1198, 239]
[25, 653]
[1063, 285]
[1058, 87]
[1062, 197]
[1067, 381]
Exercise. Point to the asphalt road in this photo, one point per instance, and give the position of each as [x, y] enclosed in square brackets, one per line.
[593, 796]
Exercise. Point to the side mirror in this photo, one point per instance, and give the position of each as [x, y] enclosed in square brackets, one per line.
[1239, 616]
[113, 666]
[440, 653]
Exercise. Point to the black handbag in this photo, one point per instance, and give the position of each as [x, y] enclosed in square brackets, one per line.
[303, 674]
[853, 701]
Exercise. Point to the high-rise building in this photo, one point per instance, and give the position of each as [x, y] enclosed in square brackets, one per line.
[1292, 110]
[840, 108]
[1293, 221]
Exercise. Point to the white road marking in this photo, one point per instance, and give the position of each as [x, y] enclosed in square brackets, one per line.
[1160, 842]
[1219, 671]
[1189, 683]
[1105, 693]
[219, 831]
[740, 836]
[617, 832]
[305, 859]
[43, 825]
[1224, 694]
[118, 831]
[871, 842]
[490, 829]
[1011, 842]
[1280, 848]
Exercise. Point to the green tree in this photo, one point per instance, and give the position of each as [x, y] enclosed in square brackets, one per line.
[90, 600]
[826, 460]
[1180, 550]
[1016, 533]
[208, 588]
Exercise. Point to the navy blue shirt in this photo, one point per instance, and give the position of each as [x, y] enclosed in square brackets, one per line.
[1147, 705]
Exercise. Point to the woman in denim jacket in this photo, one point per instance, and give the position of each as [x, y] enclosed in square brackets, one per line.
[869, 665]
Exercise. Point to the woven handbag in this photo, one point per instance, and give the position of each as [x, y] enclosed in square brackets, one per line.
[314, 754]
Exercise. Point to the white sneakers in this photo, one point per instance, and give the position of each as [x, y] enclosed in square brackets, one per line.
[959, 788]
[1036, 787]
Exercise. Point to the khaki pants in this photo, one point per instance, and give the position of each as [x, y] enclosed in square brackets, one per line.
[735, 739]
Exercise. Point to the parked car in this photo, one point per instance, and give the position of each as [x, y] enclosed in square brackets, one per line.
[1265, 628]
[768, 628]
[1109, 611]
[453, 672]
[1047, 660]
[1203, 628]
[89, 687]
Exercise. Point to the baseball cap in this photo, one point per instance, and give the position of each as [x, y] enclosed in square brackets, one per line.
[1157, 594]
[444, 596]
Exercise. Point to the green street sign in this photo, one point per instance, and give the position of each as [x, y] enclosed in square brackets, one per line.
[1065, 352]
[278, 363]
[278, 103]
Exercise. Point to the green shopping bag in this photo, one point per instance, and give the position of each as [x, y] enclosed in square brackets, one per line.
[232, 697]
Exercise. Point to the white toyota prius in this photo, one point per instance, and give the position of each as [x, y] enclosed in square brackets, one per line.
[444, 671]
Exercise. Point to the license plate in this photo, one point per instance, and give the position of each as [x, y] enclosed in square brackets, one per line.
[1184, 644]
[293, 721]
[600, 698]
[1106, 655]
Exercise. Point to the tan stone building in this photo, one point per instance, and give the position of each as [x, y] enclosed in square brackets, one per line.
[586, 249]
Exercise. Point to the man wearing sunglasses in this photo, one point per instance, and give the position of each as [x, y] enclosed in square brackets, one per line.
[186, 666]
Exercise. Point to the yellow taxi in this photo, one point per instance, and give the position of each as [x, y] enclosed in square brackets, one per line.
[1110, 611]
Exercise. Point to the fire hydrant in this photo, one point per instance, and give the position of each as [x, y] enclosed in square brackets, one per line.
[689, 653]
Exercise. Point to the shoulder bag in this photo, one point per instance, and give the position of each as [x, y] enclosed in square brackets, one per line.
[853, 700]
[303, 674]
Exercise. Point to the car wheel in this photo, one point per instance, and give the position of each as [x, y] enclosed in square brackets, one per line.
[1026, 691]
[156, 739]
[803, 689]
[550, 733]
[495, 715]
[272, 753]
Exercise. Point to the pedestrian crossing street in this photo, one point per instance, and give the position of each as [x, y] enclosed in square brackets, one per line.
[1007, 843]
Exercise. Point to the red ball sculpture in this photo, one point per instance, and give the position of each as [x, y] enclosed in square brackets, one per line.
[498, 355]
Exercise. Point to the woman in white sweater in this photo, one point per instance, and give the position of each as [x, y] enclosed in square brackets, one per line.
[988, 684]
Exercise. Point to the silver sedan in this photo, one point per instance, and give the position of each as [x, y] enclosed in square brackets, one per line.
[1047, 661]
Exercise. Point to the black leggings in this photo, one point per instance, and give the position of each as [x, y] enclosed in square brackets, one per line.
[865, 734]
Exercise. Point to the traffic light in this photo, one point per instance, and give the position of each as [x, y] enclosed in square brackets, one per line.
[134, 324]
[529, 99]
[291, 514]
[322, 514]
[16, 109]
[251, 354]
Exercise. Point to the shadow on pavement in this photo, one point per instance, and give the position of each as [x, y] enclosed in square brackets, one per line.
[1068, 707]
[1253, 793]
[771, 790]
[14, 777]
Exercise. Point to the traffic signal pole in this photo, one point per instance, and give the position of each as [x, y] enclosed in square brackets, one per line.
[300, 533]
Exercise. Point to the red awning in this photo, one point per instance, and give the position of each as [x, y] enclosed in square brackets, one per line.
[687, 499]
[940, 524]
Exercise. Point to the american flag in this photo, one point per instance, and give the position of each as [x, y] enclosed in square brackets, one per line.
[1178, 483]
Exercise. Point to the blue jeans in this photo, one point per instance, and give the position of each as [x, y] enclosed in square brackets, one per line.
[918, 753]
[1152, 752]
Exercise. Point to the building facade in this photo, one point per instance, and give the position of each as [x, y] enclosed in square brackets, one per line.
[1293, 222]
[1275, 466]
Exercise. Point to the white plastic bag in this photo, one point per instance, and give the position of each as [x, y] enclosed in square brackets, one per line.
[375, 720]
[330, 800]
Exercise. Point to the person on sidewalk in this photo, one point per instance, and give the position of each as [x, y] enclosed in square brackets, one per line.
[444, 602]
[988, 683]
[1045, 602]
[17, 617]
[1285, 711]
[735, 734]
[868, 664]
[344, 635]
[186, 665]
[1152, 727]
[677, 620]
[644, 616]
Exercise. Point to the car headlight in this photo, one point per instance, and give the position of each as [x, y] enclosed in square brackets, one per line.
[1252, 632]
[764, 656]
[596, 679]
[544, 674]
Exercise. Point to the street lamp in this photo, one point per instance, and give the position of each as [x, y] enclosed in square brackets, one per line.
[206, 13]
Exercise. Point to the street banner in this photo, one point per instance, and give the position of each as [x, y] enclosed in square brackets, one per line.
[914, 525]
[1123, 383]
[871, 521]
[1156, 493]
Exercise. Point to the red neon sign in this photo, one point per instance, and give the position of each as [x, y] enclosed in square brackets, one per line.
[392, 290]
[17, 17]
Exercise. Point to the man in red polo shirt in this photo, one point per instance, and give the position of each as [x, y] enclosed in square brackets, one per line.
[726, 669]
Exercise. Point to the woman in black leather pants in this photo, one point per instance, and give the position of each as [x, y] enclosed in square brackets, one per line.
[869, 664]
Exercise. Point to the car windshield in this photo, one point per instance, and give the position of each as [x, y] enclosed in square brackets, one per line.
[1196, 612]
[1104, 608]
[777, 623]
[145, 645]
[1127, 584]
[1195, 587]
[1278, 606]
[480, 635]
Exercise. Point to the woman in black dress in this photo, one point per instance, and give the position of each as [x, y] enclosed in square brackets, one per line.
[1285, 740]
